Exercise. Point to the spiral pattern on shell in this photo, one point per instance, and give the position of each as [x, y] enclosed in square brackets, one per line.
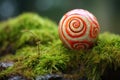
[78, 29]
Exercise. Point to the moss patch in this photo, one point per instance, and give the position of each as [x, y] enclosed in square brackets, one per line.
[22, 34]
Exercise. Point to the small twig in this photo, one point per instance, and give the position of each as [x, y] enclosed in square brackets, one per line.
[38, 47]
[35, 37]
[33, 34]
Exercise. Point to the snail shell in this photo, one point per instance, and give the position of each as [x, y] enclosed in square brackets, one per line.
[78, 29]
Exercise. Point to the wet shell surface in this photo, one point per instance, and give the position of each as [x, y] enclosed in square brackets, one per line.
[78, 29]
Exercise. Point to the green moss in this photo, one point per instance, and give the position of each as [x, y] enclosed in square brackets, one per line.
[51, 56]
[27, 28]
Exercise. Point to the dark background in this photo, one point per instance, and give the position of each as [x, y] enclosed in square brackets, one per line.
[106, 11]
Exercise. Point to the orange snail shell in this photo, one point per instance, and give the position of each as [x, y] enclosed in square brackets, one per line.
[78, 29]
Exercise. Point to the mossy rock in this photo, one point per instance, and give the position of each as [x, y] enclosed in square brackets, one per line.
[26, 29]
[37, 50]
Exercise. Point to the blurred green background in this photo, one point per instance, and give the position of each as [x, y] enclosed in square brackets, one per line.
[106, 11]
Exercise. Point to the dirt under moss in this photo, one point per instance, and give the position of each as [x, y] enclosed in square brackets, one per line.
[32, 43]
